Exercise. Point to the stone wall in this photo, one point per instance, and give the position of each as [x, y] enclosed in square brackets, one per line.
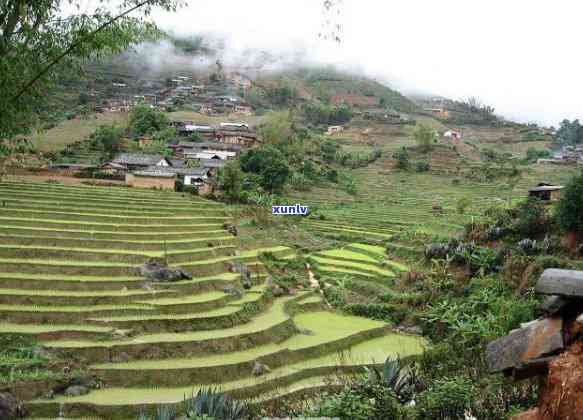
[163, 183]
[550, 348]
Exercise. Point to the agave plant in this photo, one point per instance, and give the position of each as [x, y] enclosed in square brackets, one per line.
[395, 375]
[163, 412]
[211, 403]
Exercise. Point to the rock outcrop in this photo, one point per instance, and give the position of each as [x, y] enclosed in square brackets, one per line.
[260, 369]
[551, 347]
[155, 271]
[10, 407]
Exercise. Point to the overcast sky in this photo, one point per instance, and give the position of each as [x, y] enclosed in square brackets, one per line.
[522, 56]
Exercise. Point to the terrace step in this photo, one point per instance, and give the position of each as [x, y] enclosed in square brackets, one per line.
[207, 267]
[66, 314]
[169, 220]
[207, 232]
[273, 325]
[37, 202]
[107, 283]
[224, 317]
[114, 403]
[372, 269]
[60, 297]
[194, 225]
[111, 254]
[330, 333]
[100, 244]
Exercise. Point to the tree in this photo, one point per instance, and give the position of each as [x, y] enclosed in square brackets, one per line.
[281, 95]
[276, 128]
[424, 136]
[570, 133]
[145, 120]
[40, 44]
[165, 136]
[402, 158]
[570, 207]
[328, 150]
[270, 163]
[326, 114]
[107, 139]
[230, 180]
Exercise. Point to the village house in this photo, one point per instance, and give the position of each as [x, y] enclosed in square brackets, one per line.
[242, 138]
[204, 131]
[209, 154]
[189, 146]
[243, 109]
[334, 129]
[213, 165]
[127, 162]
[236, 126]
[453, 134]
[546, 192]
[189, 176]
[195, 177]
[438, 112]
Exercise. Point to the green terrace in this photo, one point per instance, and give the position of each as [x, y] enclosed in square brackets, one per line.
[362, 261]
[69, 277]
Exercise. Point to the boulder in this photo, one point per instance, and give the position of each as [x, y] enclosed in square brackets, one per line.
[531, 368]
[185, 275]
[554, 281]
[232, 229]
[76, 391]
[155, 271]
[260, 369]
[539, 339]
[277, 291]
[10, 407]
[230, 290]
[553, 304]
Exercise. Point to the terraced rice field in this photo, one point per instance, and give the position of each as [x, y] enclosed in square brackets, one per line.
[390, 201]
[69, 258]
[358, 261]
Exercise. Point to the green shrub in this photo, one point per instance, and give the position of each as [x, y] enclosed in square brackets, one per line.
[422, 166]
[462, 204]
[447, 398]
[402, 158]
[532, 218]
[382, 311]
[570, 206]
[424, 136]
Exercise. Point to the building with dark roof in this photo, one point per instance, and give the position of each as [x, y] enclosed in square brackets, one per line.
[134, 161]
[546, 192]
